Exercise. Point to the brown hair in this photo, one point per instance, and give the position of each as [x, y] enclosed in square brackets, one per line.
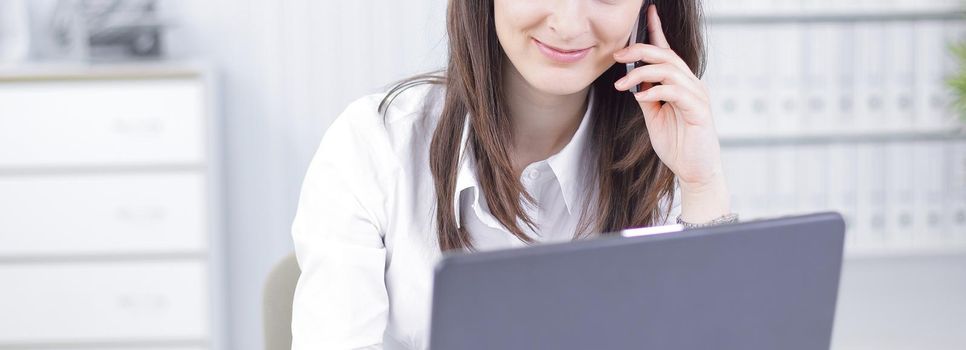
[631, 179]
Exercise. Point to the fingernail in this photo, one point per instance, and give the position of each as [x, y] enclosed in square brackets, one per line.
[620, 82]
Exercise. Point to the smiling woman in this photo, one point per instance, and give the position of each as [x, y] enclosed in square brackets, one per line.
[526, 137]
[503, 70]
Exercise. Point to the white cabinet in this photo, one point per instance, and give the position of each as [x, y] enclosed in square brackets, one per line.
[109, 210]
[83, 122]
[102, 214]
[76, 302]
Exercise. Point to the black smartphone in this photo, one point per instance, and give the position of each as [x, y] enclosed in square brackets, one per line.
[639, 35]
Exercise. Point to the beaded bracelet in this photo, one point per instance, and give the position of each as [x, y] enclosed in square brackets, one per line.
[724, 219]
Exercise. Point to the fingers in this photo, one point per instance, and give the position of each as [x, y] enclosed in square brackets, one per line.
[679, 86]
[662, 73]
[654, 29]
[651, 54]
[676, 95]
[658, 51]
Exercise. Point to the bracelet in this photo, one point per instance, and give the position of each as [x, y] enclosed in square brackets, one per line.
[724, 219]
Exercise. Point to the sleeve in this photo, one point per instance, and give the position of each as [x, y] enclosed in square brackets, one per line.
[340, 300]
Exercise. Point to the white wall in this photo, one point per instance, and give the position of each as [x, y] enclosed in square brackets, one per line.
[288, 68]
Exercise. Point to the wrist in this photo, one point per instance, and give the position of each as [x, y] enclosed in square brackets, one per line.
[705, 201]
[707, 183]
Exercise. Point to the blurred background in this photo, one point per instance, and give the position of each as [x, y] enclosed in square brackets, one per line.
[152, 152]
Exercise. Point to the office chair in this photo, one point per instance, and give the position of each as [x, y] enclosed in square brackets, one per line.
[278, 293]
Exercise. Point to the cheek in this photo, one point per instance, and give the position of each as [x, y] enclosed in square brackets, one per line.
[613, 31]
[611, 37]
[513, 19]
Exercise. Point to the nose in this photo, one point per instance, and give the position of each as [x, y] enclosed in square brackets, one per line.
[567, 19]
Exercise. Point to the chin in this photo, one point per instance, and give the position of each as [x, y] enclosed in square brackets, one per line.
[557, 82]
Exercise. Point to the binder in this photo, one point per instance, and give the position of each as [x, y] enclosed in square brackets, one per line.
[734, 160]
[842, 108]
[782, 104]
[732, 79]
[899, 219]
[753, 56]
[929, 189]
[955, 153]
[820, 69]
[870, 207]
[930, 97]
[812, 162]
[842, 172]
[898, 101]
[784, 182]
[748, 169]
[869, 67]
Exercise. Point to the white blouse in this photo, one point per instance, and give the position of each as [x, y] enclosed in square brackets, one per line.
[365, 234]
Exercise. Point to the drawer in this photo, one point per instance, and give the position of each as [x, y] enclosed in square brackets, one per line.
[103, 302]
[91, 214]
[76, 123]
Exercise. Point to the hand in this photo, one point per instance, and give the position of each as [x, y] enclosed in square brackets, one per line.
[681, 130]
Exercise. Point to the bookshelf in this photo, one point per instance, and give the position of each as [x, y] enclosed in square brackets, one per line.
[824, 106]
[853, 16]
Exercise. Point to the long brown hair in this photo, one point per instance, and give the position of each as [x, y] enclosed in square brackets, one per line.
[631, 179]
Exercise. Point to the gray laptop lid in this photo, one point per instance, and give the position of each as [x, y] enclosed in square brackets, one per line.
[766, 284]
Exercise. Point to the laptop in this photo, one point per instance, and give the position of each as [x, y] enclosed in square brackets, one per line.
[764, 284]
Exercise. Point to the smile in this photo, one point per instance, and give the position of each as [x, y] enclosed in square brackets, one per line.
[561, 55]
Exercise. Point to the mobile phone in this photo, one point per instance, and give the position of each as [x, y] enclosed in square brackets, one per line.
[638, 36]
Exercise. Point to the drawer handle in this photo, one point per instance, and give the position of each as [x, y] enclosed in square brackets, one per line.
[146, 126]
[134, 213]
[142, 302]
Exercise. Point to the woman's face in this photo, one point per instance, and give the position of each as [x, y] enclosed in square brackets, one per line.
[562, 46]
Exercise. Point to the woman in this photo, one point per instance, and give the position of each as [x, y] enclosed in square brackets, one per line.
[529, 136]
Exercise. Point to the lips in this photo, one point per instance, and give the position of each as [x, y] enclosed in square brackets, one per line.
[561, 55]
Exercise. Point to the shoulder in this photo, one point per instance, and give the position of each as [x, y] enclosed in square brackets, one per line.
[410, 108]
[402, 108]
[365, 137]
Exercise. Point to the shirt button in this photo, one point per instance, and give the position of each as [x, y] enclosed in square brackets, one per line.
[533, 174]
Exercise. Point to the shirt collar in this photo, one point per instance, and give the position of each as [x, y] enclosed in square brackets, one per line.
[565, 164]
